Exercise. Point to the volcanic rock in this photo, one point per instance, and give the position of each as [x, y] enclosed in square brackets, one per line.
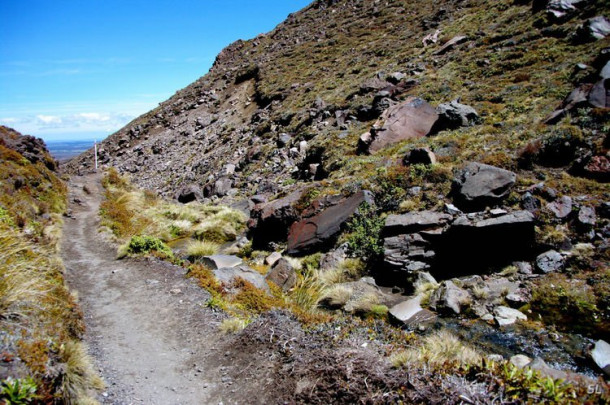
[411, 119]
[549, 261]
[508, 316]
[283, 275]
[318, 231]
[479, 185]
[454, 115]
[189, 193]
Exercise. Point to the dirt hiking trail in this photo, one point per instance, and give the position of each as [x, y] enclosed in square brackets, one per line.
[150, 335]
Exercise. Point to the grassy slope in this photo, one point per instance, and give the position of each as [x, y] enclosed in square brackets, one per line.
[40, 320]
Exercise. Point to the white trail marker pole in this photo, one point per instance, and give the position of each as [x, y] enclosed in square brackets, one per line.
[95, 152]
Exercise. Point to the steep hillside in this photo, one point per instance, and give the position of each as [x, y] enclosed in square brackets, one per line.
[315, 77]
[41, 325]
[460, 149]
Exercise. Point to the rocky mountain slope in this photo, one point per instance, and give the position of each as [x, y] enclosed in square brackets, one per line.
[462, 139]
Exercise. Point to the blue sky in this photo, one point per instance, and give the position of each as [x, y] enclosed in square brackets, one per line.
[83, 69]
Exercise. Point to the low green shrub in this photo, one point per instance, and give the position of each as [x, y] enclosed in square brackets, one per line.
[146, 244]
[364, 239]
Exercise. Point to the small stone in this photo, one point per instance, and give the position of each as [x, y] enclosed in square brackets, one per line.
[530, 203]
[561, 207]
[549, 261]
[452, 209]
[520, 360]
[420, 156]
[586, 216]
[273, 258]
[601, 356]
[496, 212]
[507, 316]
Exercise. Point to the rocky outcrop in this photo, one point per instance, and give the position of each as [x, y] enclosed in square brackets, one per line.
[448, 244]
[30, 147]
[479, 185]
[319, 232]
[412, 118]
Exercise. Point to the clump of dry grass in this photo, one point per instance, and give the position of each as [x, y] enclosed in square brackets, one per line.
[436, 350]
[346, 270]
[80, 378]
[200, 248]
[233, 325]
[129, 212]
[33, 298]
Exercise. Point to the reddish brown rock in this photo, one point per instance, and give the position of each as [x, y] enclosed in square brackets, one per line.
[269, 222]
[321, 230]
[598, 168]
[413, 118]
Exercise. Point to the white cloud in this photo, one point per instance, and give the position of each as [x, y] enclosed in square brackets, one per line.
[49, 119]
[93, 117]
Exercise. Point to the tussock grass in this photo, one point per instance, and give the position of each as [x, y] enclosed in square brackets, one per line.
[22, 277]
[34, 301]
[80, 377]
[129, 212]
[200, 248]
[346, 270]
[337, 296]
[436, 350]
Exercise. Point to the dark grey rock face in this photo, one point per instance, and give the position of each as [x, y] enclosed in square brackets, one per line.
[479, 185]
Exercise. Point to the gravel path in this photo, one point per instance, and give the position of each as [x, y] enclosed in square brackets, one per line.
[151, 338]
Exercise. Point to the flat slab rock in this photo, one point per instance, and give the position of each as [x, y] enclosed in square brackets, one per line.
[411, 313]
[221, 261]
[228, 275]
[507, 316]
[413, 118]
[414, 222]
[317, 231]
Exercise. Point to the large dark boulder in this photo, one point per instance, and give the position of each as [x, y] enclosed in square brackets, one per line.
[321, 230]
[479, 185]
[451, 246]
[269, 222]
[413, 118]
